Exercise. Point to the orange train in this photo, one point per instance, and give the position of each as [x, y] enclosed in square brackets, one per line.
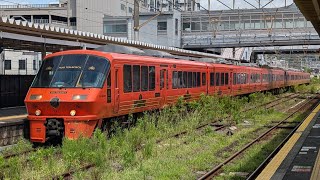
[77, 91]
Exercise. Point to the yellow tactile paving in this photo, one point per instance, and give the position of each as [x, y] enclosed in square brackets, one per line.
[316, 169]
[7, 118]
[274, 164]
[306, 122]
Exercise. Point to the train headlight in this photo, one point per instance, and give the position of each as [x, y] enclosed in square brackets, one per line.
[79, 97]
[35, 97]
[73, 112]
[38, 112]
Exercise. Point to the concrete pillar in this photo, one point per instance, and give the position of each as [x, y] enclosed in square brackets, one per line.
[32, 18]
[233, 52]
[50, 19]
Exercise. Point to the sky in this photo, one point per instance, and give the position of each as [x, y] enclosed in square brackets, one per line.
[214, 3]
[241, 4]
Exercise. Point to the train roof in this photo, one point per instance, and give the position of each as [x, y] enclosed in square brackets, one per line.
[153, 59]
[137, 56]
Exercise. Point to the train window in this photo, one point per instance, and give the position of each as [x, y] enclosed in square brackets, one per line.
[211, 79]
[217, 79]
[234, 78]
[136, 78]
[222, 79]
[194, 79]
[109, 81]
[127, 78]
[167, 79]
[204, 79]
[109, 88]
[116, 78]
[175, 80]
[152, 78]
[144, 78]
[189, 79]
[245, 78]
[198, 79]
[185, 79]
[162, 78]
[180, 79]
[226, 78]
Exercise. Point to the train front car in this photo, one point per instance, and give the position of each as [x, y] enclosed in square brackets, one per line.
[68, 96]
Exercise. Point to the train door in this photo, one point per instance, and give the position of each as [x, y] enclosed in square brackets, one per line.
[231, 82]
[163, 85]
[225, 82]
[116, 90]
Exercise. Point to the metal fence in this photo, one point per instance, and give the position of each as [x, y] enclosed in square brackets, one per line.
[13, 89]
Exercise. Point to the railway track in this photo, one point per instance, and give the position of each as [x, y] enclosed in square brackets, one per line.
[267, 105]
[213, 172]
[218, 127]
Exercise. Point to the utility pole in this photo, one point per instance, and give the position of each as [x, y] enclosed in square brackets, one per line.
[68, 13]
[136, 20]
[193, 3]
[209, 5]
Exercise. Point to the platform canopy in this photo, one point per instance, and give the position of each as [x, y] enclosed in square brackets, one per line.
[311, 10]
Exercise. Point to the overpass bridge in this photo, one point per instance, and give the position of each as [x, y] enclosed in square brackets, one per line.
[247, 28]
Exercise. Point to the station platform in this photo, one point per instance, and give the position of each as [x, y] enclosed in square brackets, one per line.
[12, 114]
[12, 125]
[299, 158]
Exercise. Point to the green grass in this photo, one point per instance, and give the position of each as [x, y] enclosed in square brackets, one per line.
[134, 154]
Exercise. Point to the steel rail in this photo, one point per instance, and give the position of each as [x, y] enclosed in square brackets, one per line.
[255, 173]
[68, 174]
[215, 121]
[212, 172]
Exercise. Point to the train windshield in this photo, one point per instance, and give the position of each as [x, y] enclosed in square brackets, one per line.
[72, 71]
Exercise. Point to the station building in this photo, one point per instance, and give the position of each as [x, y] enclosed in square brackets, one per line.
[19, 62]
[180, 24]
[109, 17]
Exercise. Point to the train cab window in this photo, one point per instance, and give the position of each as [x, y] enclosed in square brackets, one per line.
[234, 78]
[185, 79]
[204, 80]
[189, 79]
[226, 76]
[211, 79]
[198, 79]
[217, 79]
[94, 72]
[127, 78]
[144, 78]
[152, 78]
[136, 78]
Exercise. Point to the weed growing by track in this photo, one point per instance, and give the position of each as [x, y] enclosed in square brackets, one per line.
[135, 153]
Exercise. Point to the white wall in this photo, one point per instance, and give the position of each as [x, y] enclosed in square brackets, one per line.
[15, 56]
